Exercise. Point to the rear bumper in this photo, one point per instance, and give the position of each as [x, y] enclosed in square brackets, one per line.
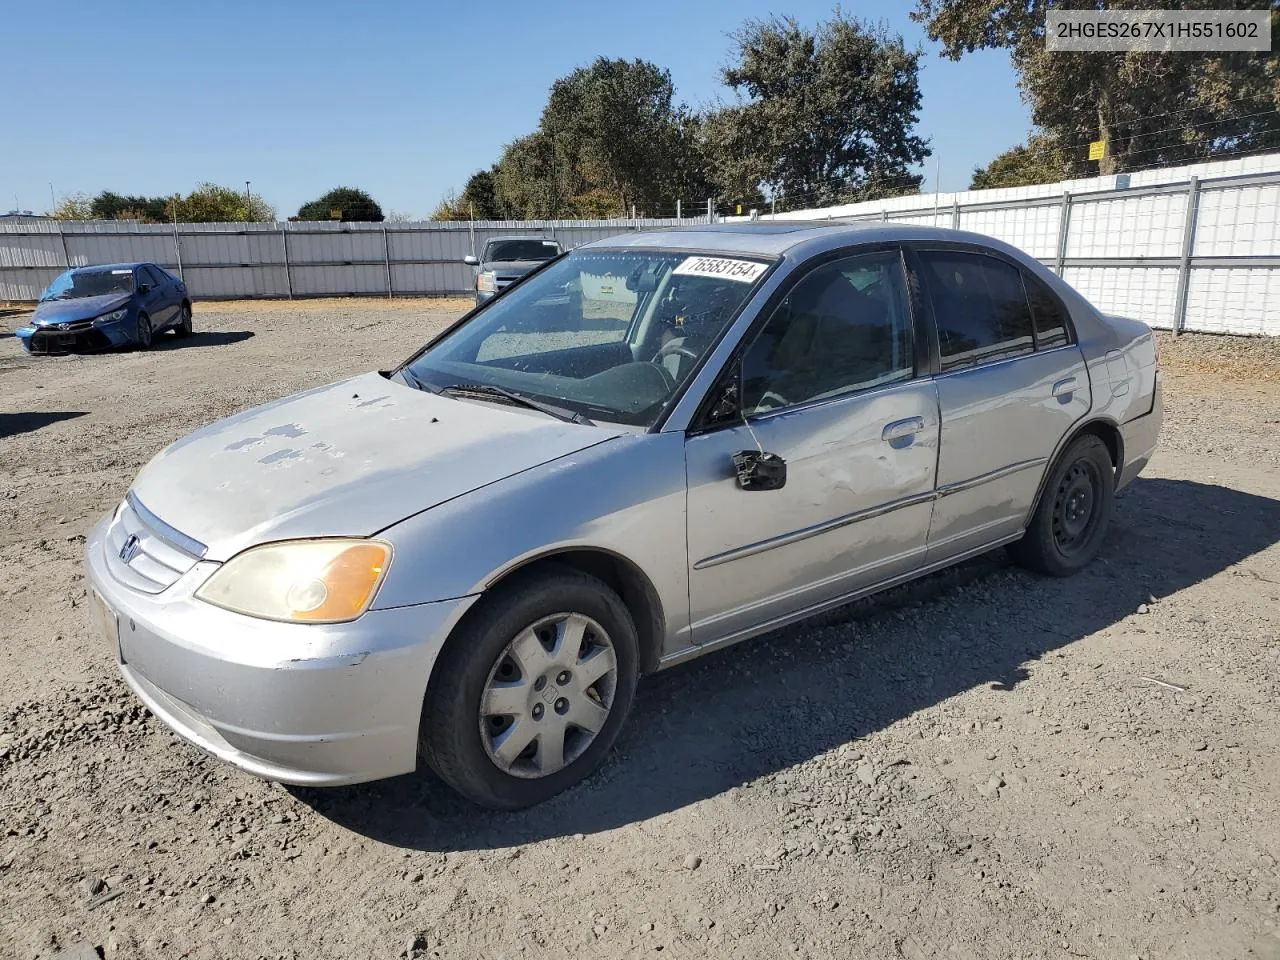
[307, 704]
[1141, 436]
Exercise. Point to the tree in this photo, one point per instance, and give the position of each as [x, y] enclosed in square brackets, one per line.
[73, 206]
[1151, 108]
[354, 204]
[112, 206]
[611, 135]
[479, 199]
[211, 203]
[825, 115]
[449, 208]
[1039, 160]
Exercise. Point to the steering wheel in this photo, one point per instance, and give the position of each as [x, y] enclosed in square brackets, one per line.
[771, 401]
[673, 349]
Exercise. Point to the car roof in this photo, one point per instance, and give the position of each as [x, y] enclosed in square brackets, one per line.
[774, 238]
[523, 236]
[113, 266]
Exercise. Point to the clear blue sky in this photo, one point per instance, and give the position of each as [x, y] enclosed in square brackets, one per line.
[404, 99]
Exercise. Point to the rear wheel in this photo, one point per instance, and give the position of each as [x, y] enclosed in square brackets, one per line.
[1074, 513]
[143, 335]
[532, 689]
[183, 327]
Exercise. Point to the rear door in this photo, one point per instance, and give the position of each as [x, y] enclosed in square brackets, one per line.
[832, 385]
[1010, 385]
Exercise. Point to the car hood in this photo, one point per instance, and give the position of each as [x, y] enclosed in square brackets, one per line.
[512, 268]
[84, 308]
[348, 459]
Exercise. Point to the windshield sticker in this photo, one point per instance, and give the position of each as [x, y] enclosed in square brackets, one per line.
[114, 272]
[744, 271]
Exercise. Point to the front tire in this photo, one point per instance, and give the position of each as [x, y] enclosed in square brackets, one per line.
[1071, 522]
[531, 691]
[144, 334]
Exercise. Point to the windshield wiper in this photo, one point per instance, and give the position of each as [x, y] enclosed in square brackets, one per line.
[417, 382]
[518, 399]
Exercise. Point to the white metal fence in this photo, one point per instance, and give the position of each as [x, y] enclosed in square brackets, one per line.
[1184, 248]
[225, 260]
[1190, 248]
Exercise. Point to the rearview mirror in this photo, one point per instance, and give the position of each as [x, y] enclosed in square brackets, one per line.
[638, 282]
[470, 261]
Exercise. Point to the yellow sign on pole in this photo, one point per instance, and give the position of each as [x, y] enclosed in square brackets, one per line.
[739, 209]
[1097, 149]
[335, 214]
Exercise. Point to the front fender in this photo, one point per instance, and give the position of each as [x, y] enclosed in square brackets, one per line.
[625, 497]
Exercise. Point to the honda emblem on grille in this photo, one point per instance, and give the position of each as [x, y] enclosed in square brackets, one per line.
[129, 549]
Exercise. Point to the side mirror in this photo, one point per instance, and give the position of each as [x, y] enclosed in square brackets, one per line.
[470, 261]
[144, 289]
[728, 405]
[758, 470]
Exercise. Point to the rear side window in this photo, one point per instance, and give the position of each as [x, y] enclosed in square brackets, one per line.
[1051, 324]
[980, 307]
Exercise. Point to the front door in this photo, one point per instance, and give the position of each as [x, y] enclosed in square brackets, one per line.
[830, 385]
[1011, 384]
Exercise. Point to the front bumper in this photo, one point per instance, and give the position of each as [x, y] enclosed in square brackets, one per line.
[80, 335]
[307, 704]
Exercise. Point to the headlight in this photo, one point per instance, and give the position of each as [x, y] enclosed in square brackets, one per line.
[308, 581]
[111, 317]
[487, 282]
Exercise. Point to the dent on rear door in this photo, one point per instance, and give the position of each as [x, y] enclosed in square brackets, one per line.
[1000, 426]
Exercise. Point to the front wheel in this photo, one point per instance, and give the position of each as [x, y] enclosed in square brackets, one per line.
[1071, 521]
[531, 691]
[143, 334]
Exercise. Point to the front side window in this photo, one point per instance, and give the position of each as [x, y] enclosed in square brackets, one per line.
[845, 326]
[980, 307]
[608, 334]
[78, 284]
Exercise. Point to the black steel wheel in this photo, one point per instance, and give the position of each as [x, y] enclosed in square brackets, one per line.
[1071, 521]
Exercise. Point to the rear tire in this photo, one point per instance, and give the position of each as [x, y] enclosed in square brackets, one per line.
[184, 327]
[1071, 522]
[483, 687]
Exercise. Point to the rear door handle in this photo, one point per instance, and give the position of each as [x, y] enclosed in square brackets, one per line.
[1064, 387]
[902, 428]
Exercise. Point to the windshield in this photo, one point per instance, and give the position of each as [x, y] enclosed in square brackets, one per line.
[521, 250]
[76, 284]
[610, 335]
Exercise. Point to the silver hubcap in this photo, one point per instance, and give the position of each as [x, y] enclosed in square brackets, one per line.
[548, 695]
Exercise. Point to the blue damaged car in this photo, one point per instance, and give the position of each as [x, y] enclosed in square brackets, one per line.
[111, 305]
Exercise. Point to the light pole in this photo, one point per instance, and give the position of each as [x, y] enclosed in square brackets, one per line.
[248, 199]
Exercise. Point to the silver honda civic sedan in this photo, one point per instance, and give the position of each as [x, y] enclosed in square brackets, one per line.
[649, 448]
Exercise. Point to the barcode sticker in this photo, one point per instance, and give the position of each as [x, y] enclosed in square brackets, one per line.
[744, 271]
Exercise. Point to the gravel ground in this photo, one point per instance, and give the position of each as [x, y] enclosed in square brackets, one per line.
[986, 764]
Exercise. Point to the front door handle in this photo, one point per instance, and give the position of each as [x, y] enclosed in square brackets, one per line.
[902, 428]
[1064, 387]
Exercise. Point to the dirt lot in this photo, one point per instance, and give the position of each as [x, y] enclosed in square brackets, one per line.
[977, 766]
